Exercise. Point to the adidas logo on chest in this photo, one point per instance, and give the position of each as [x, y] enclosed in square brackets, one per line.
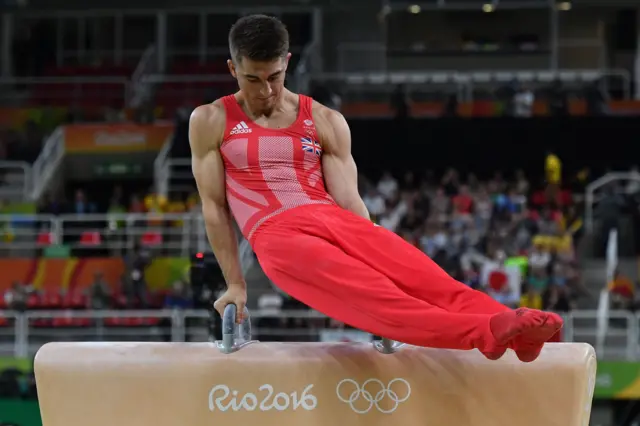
[240, 128]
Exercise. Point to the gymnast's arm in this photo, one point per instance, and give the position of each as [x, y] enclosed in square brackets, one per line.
[206, 128]
[339, 168]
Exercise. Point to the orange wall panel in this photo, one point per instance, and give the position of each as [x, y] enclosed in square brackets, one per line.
[53, 274]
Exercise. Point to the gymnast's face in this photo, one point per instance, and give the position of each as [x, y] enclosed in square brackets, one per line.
[261, 83]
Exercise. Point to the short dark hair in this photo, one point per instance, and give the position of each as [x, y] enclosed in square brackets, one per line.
[258, 38]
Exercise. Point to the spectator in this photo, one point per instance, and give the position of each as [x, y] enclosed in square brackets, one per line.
[136, 205]
[99, 293]
[622, 291]
[557, 299]
[523, 102]
[134, 285]
[17, 298]
[411, 220]
[483, 207]
[441, 204]
[517, 201]
[596, 99]
[539, 281]
[531, 298]
[375, 203]
[539, 259]
[521, 183]
[462, 202]
[471, 277]
[179, 297]
[553, 173]
[115, 210]
[388, 186]
[572, 225]
[559, 275]
[400, 102]
[396, 209]
[52, 205]
[558, 102]
[450, 182]
[548, 225]
[81, 205]
[609, 211]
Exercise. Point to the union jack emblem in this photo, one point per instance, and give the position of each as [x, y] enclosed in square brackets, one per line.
[311, 146]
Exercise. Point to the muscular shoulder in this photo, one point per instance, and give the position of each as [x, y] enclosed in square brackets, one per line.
[209, 115]
[331, 125]
[325, 115]
[206, 127]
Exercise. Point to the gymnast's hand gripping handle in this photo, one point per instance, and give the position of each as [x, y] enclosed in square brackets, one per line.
[234, 336]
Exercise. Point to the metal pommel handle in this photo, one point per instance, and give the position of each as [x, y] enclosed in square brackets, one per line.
[234, 336]
[387, 346]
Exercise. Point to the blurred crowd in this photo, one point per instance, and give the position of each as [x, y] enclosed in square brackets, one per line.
[489, 234]
[504, 236]
[120, 201]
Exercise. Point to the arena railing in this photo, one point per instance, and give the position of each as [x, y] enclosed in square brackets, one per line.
[307, 66]
[16, 180]
[47, 163]
[25, 332]
[140, 92]
[465, 83]
[358, 83]
[604, 301]
[161, 169]
[117, 233]
[176, 176]
[358, 57]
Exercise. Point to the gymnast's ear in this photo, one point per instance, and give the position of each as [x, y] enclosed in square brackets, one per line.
[232, 68]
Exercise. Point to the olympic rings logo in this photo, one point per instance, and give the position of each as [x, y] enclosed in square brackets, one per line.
[373, 391]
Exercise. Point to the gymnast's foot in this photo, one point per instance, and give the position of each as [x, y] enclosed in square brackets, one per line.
[529, 344]
[524, 330]
[495, 353]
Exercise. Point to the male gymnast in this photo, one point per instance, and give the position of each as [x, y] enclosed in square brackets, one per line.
[280, 165]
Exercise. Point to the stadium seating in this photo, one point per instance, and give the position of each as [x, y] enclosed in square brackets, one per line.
[67, 301]
[93, 88]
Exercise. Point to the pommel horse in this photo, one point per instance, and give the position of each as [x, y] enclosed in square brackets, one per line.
[241, 381]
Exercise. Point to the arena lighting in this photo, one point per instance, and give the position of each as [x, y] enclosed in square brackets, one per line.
[415, 9]
[488, 8]
[564, 5]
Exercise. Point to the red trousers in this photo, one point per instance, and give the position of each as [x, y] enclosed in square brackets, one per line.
[369, 278]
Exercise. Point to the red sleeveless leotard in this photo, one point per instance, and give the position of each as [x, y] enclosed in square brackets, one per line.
[269, 171]
[339, 263]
